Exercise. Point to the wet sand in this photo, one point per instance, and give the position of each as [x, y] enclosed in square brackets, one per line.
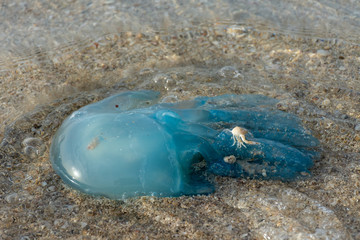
[315, 79]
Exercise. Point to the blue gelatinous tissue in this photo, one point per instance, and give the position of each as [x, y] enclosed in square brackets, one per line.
[131, 145]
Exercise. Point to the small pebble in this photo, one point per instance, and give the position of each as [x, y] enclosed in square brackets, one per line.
[282, 105]
[83, 224]
[323, 53]
[326, 102]
[66, 225]
[11, 197]
[339, 106]
[230, 159]
[295, 104]
[58, 222]
[229, 228]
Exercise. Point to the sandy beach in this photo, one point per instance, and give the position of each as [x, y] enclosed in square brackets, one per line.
[314, 78]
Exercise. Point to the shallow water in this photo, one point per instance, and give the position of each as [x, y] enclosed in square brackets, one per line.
[58, 57]
[32, 29]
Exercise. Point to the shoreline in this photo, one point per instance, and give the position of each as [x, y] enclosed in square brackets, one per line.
[317, 81]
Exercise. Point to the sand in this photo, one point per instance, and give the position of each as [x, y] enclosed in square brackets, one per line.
[315, 79]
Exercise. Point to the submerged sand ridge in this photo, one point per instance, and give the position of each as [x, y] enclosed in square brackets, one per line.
[316, 80]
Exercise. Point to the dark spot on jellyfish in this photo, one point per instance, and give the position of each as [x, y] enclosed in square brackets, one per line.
[116, 106]
[168, 149]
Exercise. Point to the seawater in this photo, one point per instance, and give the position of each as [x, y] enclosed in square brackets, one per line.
[303, 53]
[31, 30]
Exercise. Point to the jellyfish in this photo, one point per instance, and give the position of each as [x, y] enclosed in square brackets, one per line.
[131, 144]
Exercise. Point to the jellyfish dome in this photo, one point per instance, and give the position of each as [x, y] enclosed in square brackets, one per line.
[130, 145]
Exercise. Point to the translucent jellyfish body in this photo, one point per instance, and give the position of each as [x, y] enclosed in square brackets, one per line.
[131, 145]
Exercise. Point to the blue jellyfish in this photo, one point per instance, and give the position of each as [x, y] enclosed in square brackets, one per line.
[130, 145]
